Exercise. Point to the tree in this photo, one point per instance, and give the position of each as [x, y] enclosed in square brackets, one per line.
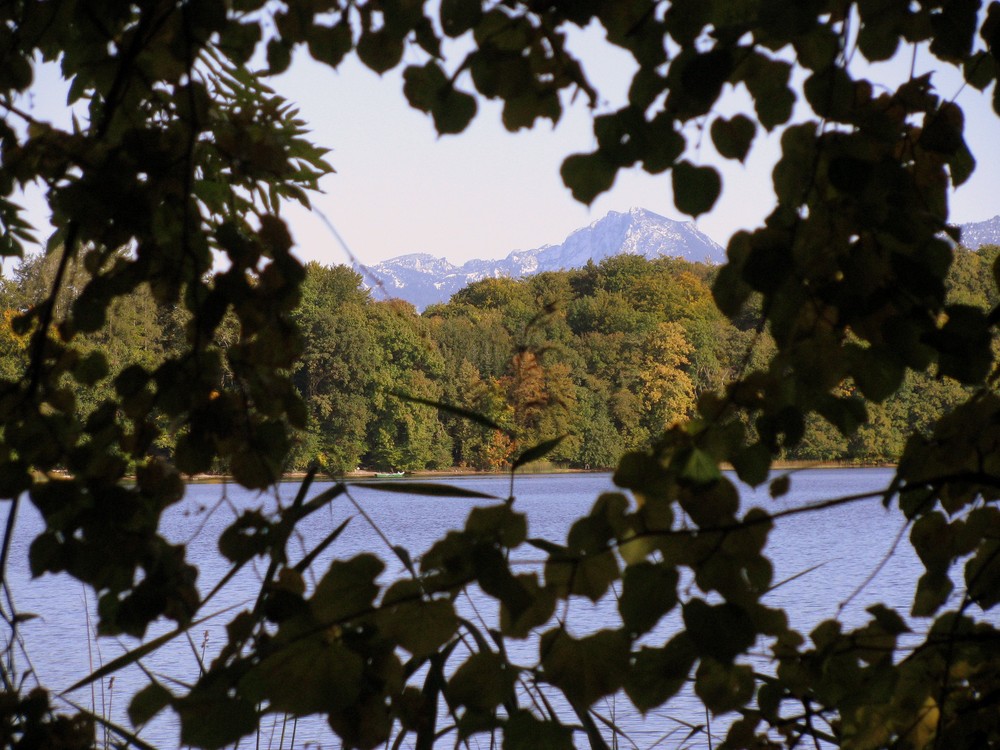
[178, 151]
[336, 372]
[668, 389]
[405, 434]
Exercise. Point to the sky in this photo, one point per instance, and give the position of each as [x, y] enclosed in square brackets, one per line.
[400, 188]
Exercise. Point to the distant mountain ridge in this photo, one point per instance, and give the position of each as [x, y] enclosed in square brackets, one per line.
[422, 279]
[975, 234]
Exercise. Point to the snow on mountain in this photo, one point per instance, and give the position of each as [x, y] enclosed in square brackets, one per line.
[423, 280]
[978, 233]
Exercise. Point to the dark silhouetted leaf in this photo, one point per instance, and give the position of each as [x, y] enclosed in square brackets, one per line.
[525, 732]
[588, 668]
[721, 631]
[147, 703]
[659, 673]
[588, 175]
[210, 718]
[695, 188]
[483, 682]
[732, 138]
[649, 591]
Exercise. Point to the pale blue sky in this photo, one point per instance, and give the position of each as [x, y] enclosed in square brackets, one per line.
[399, 188]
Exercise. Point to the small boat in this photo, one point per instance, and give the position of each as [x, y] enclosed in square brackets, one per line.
[389, 474]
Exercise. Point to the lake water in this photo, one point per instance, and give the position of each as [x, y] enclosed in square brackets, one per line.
[847, 542]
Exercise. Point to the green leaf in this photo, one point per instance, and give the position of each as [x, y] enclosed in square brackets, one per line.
[933, 590]
[700, 467]
[453, 111]
[695, 188]
[239, 40]
[211, 718]
[421, 627]
[483, 682]
[732, 138]
[147, 703]
[459, 16]
[498, 522]
[427, 489]
[724, 687]
[722, 632]
[380, 50]
[767, 80]
[793, 175]
[495, 579]
[961, 164]
[521, 111]
[963, 344]
[525, 732]
[254, 469]
[329, 44]
[45, 554]
[888, 620]
[305, 677]
[657, 674]
[91, 368]
[347, 590]
[649, 591]
[279, 56]
[249, 535]
[846, 414]
[422, 85]
[539, 612]
[588, 175]
[831, 93]
[780, 486]
[980, 70]
[982, 575]
[536, 452]
[877, 371]
[585, 669]
[587, 574]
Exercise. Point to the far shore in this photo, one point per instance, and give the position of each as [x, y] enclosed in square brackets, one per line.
[295, 476]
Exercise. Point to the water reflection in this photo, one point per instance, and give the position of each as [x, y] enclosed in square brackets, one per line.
[846, 543]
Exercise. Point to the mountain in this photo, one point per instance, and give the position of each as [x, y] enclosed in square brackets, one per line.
[423, 280]
[978, 233]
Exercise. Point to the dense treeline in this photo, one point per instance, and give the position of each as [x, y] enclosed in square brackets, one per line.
[608, 355]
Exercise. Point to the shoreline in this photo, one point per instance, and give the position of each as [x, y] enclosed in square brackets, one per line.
[422, 474]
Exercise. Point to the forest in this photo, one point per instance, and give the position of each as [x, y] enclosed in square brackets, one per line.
[605, 357]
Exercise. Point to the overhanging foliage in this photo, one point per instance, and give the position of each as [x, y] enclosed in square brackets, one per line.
[179, 152]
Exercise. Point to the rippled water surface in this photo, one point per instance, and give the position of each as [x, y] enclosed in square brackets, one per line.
[847, 542]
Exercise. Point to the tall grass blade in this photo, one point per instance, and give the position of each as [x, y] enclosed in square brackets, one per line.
[430, 489]
[306, 561]
[536, 452]
[458, 411]
[138, 652]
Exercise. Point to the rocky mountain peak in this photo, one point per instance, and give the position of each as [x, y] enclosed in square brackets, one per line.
[423, 279]
[978, 233]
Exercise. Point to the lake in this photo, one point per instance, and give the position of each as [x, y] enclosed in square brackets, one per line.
[847, 542]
